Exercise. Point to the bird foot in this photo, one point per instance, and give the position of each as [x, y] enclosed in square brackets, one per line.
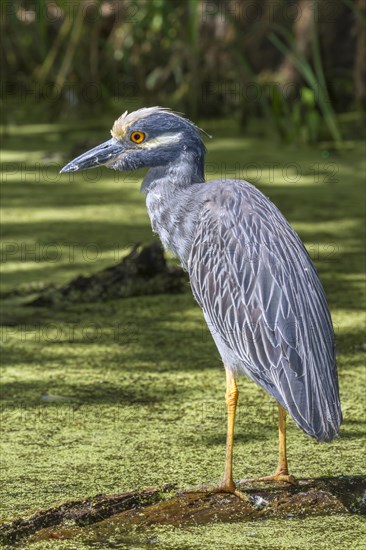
[277, 476]
[221, 488]
[230, 488]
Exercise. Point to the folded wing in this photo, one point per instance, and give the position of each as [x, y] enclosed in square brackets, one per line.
[259, 290]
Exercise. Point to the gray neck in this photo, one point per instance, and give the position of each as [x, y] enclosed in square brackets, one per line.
[181, 173]
[171, 205]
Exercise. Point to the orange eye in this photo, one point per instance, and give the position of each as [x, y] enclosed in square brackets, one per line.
[137, 137]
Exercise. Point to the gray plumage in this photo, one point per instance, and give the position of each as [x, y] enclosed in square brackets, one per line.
[249, 271]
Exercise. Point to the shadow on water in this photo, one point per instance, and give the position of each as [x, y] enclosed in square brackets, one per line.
[336, 250]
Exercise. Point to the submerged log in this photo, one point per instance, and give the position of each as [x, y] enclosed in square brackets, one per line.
[167, 505]
[81, 512]
[144, 271]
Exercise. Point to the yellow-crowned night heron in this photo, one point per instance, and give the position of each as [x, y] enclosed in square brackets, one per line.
[249, 271]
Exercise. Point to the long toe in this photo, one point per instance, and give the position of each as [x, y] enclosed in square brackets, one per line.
[230, 488]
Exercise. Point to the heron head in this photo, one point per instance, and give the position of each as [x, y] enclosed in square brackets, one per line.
[148, 137]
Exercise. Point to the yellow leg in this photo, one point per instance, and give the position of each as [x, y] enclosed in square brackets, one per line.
[282, 468]
[281, 473]
[231, 402]
[231, 396]
[227, 485]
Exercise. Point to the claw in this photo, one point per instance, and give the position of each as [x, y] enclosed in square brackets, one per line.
[230, 488]
[221, 488]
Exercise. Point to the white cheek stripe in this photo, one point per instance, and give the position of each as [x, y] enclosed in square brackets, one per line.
[164, 139]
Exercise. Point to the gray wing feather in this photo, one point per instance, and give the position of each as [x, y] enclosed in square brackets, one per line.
[261, 294]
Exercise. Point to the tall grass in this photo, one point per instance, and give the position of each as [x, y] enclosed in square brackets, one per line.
[162, 52]
[314, 77]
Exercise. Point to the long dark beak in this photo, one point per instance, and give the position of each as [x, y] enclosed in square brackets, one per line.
[106, 152]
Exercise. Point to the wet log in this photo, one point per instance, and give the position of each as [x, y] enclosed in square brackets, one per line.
[167, 505]
[144, 271]
[80, 512]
